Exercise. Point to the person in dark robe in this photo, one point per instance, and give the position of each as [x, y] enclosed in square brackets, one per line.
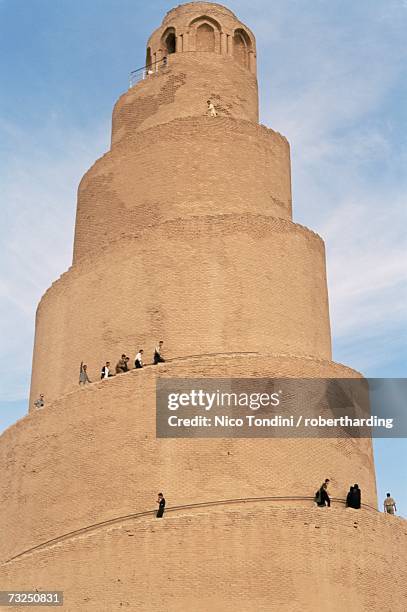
[349, 497]
[353, 497]
[161, 505]
[158, 358]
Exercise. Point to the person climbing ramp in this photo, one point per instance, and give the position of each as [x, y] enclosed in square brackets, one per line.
[211, 109]
[158, 358]
[161, 505]
[353, 498]
[83, 374]
[138, 362]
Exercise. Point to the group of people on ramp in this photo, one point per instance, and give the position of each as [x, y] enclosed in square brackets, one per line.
[122, 365]
[353, 498]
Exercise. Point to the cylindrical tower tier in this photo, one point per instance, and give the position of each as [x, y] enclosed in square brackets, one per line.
[248, 557]
[204, 284]
[181, 89]
[202, 27]
[92, 455]
[182, 169]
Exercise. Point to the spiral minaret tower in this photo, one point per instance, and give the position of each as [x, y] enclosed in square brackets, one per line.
[184, 232]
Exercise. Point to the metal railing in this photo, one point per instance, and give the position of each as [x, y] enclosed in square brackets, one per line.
[145, 71]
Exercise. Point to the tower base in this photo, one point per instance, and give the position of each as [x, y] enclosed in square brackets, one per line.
[309, 559]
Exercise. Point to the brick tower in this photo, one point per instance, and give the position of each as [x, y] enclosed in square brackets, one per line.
[184, 232]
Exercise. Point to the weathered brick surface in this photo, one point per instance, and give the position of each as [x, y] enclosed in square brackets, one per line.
[184, 233]
[249, 559]
[181, 89]
[93, 455]
[203, 284]
[223, 34]
[189, 167]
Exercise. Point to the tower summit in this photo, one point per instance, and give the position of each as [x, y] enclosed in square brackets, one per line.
[184, 232]
[184, 228]
[167, 161]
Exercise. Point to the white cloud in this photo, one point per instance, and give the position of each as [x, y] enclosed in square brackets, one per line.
[334, 82]
[367, 266]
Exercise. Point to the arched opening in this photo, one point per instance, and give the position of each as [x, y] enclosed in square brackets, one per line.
[241, 47]
[170, 43]
[148, 57]
[205, 34]
[205, 38]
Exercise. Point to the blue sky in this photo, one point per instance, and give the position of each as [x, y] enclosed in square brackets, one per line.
[332, 77]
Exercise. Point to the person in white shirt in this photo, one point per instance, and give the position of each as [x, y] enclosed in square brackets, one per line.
[138, 363]
[211, 109]
[105, 372]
